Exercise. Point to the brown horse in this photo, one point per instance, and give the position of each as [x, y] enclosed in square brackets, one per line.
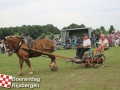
[17, 43]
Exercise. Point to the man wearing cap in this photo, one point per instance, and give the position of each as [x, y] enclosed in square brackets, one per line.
[85, 47]
[103, 44]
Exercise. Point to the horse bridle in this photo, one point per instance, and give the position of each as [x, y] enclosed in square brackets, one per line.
[13, 49]
[7, 45]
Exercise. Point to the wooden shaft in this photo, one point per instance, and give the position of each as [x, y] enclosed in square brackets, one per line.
[51, 54]
[46, 53]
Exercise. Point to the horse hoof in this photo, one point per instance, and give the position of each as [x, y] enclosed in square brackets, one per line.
[53, 67]
[20, 73]
[31, 73]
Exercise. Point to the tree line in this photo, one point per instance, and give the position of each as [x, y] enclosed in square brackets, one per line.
[95, 31]
[103, 30]
[34, 31]
[38, 31]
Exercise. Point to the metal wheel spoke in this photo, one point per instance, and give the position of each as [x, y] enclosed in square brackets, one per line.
[98, 61]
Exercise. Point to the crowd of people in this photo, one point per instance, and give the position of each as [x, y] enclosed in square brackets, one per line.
[113, 39]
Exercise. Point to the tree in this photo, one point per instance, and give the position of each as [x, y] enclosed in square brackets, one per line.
[73, 25]
[50, 28]
[111, 29]
[16, 34]
[51, 36]
[94, 31]
[33, 30]
[42, 36]
[60, 36]
[81, 26]
[103, 29]
[97, 31]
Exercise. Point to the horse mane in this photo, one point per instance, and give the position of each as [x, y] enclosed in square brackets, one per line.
[13, 36]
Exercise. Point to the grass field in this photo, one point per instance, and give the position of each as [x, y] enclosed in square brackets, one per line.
[68, 76]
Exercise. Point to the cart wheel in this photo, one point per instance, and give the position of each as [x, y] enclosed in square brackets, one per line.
[98, 60]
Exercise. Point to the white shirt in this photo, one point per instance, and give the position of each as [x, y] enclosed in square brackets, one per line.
[87, 42]
[104, 42]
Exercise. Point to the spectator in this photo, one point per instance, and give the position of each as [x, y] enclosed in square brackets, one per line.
[97, 39]
[74, 41]
[93, 40]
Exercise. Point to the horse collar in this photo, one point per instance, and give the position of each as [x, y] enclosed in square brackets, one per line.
[19, 45]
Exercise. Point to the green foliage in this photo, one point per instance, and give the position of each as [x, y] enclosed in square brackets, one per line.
[5, 32]
[74, 26]
[51, 36]
[16, 34]
[98, 30]
[111, 29]
[42, 36]
[103, 29]
[60, 36]
[34, 31]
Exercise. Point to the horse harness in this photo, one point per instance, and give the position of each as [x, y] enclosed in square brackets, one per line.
[30, 44]
[18, 46]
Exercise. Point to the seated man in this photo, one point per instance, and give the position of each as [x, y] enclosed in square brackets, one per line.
[103, 44]
[85, 47]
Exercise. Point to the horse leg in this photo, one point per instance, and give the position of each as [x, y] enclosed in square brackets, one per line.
[53, 65]
[21, 65]
[30, 66]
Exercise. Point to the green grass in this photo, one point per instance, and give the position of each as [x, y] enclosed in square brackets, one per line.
[68, 76]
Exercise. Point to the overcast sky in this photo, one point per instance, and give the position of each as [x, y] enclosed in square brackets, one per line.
[60, 13]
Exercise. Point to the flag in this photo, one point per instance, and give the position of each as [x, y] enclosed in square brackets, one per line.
[5, 80]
